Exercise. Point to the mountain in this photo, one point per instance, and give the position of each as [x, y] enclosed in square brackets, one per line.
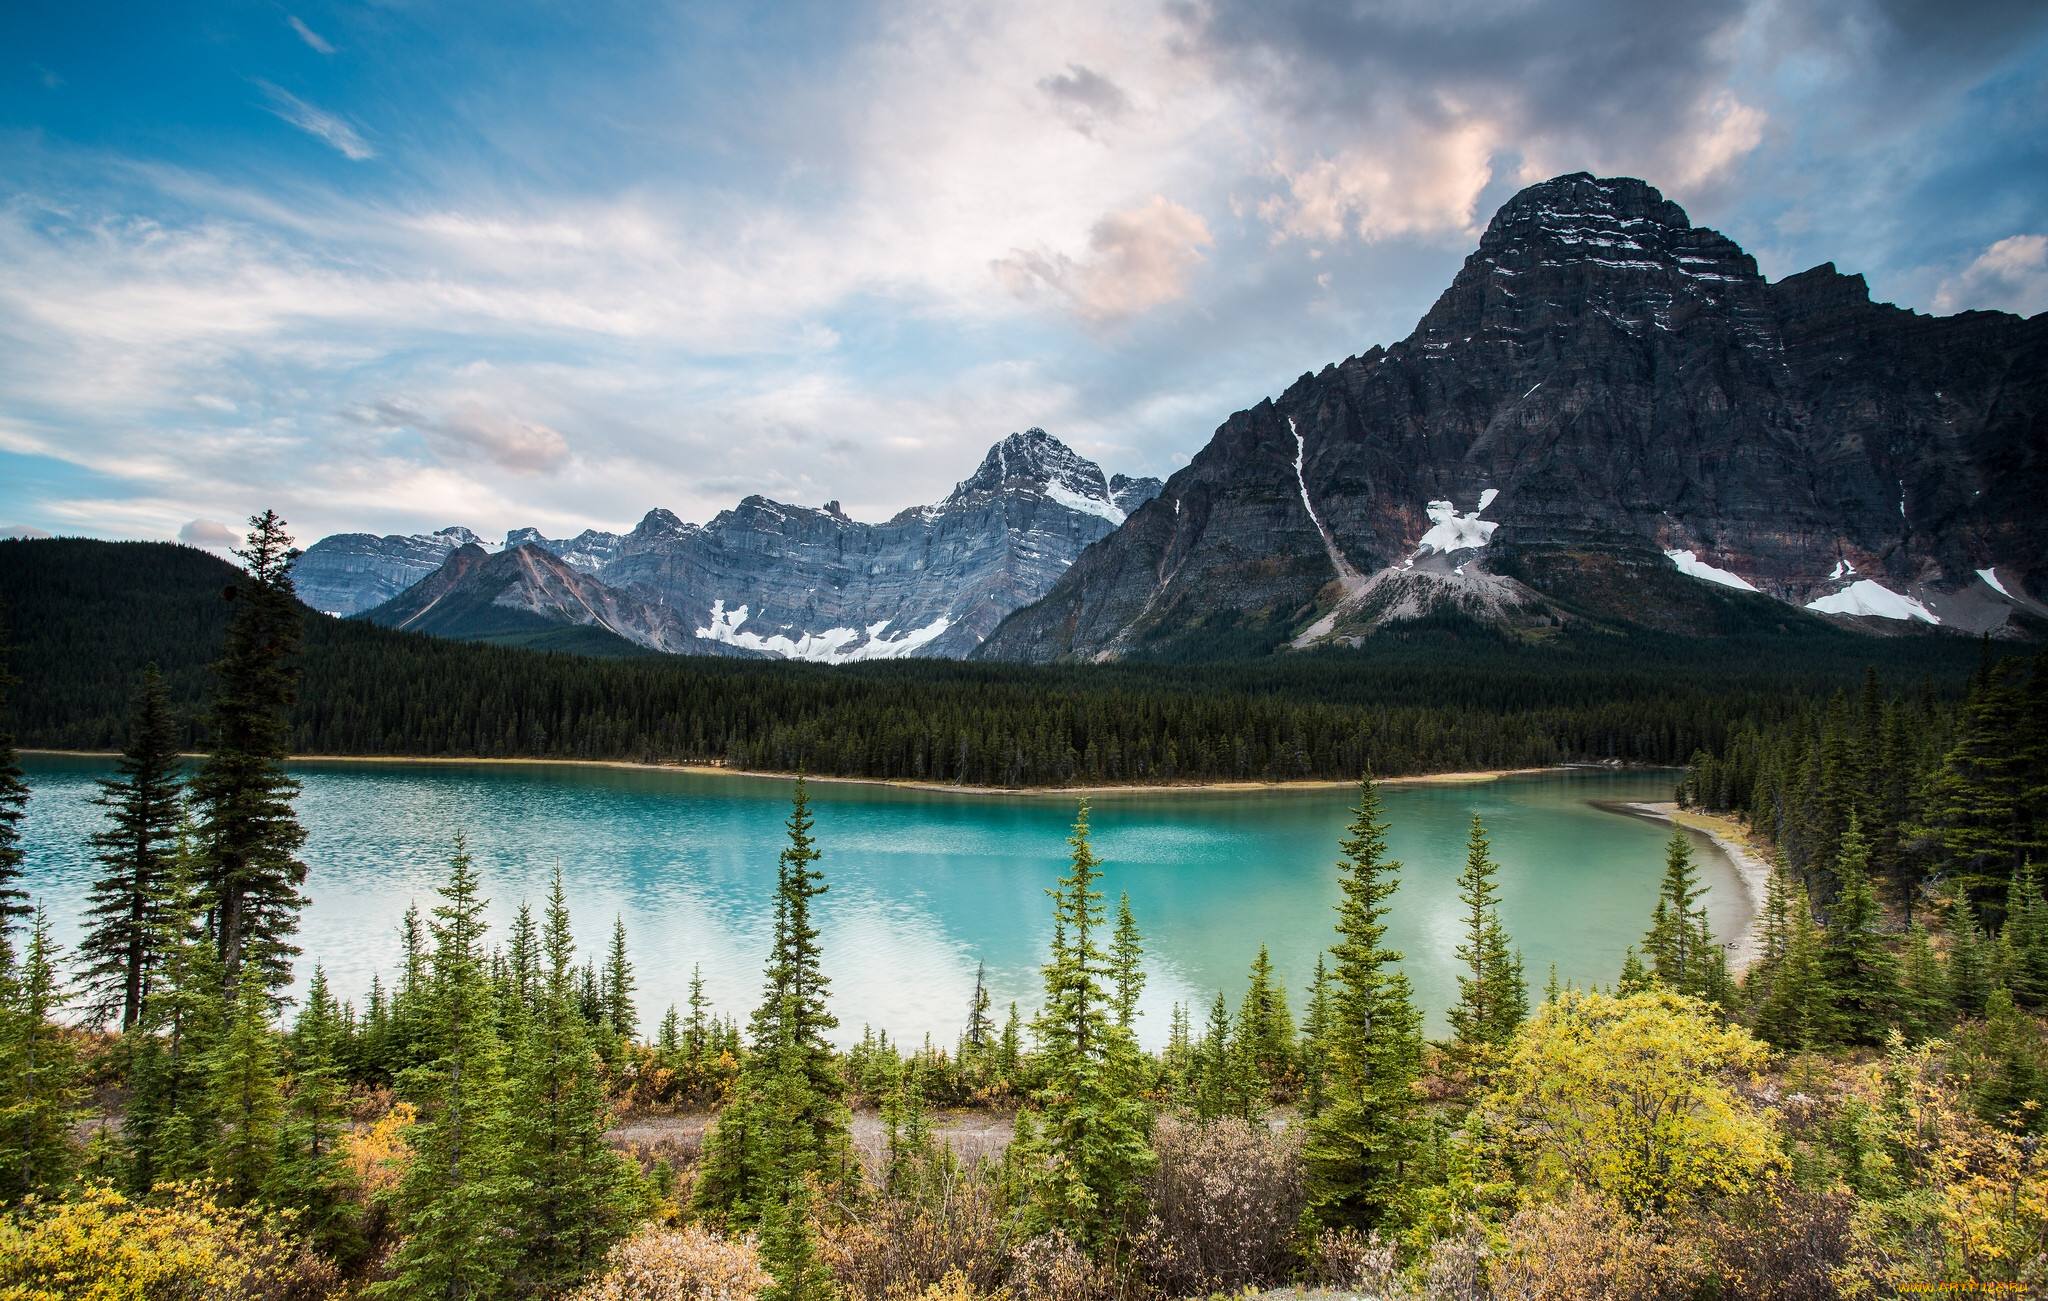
[529, 596]
[348, 572]
[1610, 418]
[798, 582]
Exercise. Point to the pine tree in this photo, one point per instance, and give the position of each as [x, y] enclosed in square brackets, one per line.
[1083, 1156]
[244, 1070]
[1358, 1151]
[1680, 943]
[1974, 801]
[1126, 965]
[1969, 968]
[1924, 998]
[135, 853]
[2025, 937]
[13, 804]
[785, 1120]
[39, 1074]
[1634, 977]
[452, 1198]
[573, 1196]
[619, 1012]
[697, 1039]
[1861, 972]
[250, 874]
[1215, 1091]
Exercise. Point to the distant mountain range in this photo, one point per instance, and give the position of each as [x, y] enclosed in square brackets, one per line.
[762, 579]
[1611, 418]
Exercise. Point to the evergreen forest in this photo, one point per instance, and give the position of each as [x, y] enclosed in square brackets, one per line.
[1852, 1106]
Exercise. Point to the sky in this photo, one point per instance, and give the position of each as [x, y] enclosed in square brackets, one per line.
[393, 266]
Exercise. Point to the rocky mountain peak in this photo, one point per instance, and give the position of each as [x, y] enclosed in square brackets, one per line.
[661, 523]
[1035, 460]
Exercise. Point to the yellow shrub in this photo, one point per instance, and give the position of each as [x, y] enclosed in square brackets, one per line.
[690, 1265]
[377, 1156]
[103, 1247]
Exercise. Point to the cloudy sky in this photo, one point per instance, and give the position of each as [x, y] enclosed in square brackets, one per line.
[395, 265]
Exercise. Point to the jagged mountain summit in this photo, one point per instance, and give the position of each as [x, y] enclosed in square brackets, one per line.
[798, 582]
[1609, 415]
[350, 572]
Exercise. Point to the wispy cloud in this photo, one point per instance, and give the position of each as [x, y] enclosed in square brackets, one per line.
[2010, 276]
[309, 36]
[317, 122]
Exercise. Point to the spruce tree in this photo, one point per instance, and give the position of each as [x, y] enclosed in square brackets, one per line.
[1359, 1150]
[2024, 937]
[784, 1122]
[697, 1039]
[1265, 1028]
[169, 1127]
[13, 804]
[1083, 1155]
[1215, 1092]
[1492, 998]
[451, 1200]
[1924, 998]
[1315, 1035]
[244, 1070]
[1635, 978]
[310, 1175]
[1680, 943]
[1969, 968]
[1126, 965]
[1860, 970]
[144, 808]
[572, 1195]
[1974, 801]
[619, 1012]
[1798, 1011]
[251, 874]
[39, 1074]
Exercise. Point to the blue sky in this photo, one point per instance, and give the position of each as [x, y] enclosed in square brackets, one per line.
[393, 266]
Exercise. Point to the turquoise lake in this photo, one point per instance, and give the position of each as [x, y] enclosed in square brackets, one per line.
[927, 884]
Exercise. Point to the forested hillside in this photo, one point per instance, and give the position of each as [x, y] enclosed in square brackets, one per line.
[1443, 694]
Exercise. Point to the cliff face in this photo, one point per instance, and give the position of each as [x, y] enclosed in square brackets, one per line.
[1609, 414]
[348, 572]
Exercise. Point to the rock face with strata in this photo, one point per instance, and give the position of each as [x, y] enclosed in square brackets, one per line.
[1604, 389]
[350, 572]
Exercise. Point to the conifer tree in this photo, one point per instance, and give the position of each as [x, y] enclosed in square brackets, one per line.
[785, 1120]
[2024, 938]
[1974, 801]
[519, 992]
[1860, 971]
[135, 853]
[169, 1128]
[250, 873]
[1083, 1156]
[13, 804]
[1492, 998]
[1215, 1092]
[1315, 1034]
[1924, 998]
[1969, 968]
[39, 1075]
[697, 1038]
[1178, 1061]
[1010, 1048]
[1680, 943]
[1798, 1011]
[977, 1039]
[244, 1070]
[572, 1195]
[310, 1175]
[452, 1198]
[619, 1012]
[1358, 1151]
[1265, 1028]
[2005, 1063]
[1126, 965]
[1635, 978]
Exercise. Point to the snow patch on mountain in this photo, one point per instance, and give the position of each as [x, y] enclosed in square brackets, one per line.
[1692, 566]
[1990, 576]
[832, 646]
[1450, 531]
[1863, 597]
[1075, 501]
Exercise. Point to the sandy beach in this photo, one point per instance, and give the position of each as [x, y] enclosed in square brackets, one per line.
[1751, 868]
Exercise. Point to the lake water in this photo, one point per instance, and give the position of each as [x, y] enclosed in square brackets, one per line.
[926, 884]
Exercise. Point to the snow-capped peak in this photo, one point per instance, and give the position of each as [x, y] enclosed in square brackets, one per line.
[1035, 459]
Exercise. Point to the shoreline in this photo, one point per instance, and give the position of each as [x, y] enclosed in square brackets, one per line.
[1420, 779]
[1751, 870]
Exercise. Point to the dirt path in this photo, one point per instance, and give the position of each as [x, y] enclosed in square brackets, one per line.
[971, 1134]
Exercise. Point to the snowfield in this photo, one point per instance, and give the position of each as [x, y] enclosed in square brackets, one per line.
[1867, 598]
[1692, 566]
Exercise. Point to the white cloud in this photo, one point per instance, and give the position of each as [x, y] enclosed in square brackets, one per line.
[308, 35]
[1140, 258]
[209, 533]
[2010, 276]
[318, 122]
[520, 446]
[1421, 180]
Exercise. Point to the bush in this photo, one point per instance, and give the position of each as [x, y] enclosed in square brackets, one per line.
[1585, 1248]
[944, 1227]
[1227, 1197]
[690, 1265]
[189, 1247]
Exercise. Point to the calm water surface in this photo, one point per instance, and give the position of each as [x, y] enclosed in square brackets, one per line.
[926, 884]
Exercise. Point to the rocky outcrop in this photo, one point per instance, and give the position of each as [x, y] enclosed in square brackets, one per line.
[1609, 414]
[590, 551]
[350, 572]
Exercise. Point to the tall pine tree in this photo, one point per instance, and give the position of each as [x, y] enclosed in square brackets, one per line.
[13, 804]
[39, 1075]
[251, 873]
[1680, 942]
[1492, 996]
[1360, 1148]
[136, 852]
